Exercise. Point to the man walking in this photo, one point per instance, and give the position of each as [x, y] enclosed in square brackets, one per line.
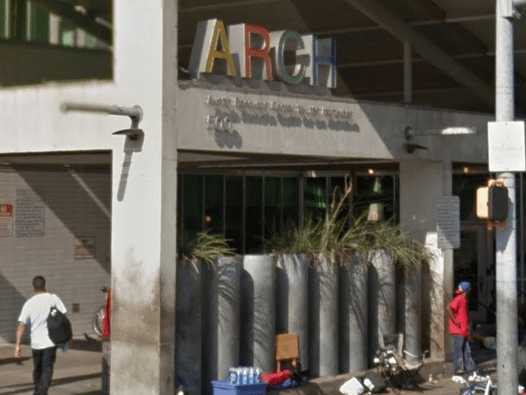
[458, 312]
[34, 315]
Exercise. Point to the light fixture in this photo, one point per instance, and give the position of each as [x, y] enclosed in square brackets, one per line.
[135, 114]
[410, 134]
[371, 172]
[466, 169]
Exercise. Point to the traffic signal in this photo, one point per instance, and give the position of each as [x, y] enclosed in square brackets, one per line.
[492, 202]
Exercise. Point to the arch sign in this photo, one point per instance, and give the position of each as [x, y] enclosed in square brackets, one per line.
[253, 52]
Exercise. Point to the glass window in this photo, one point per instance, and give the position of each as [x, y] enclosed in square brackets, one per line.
[375, 197]
[234, 212]
[180, 227]
[254, 215]
[273, 204]
[338, 188]
[214, 204]
[38, 23]
[192, 207]
[290, 201]
[465, 187]
[68, 33]
[4, 20]
[315, 198]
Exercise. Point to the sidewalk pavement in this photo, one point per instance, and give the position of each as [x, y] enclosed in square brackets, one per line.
[77, 371]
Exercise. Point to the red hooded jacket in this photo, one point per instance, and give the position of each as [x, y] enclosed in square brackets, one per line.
[460, 307]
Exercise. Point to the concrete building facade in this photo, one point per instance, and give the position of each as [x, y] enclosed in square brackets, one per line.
[100, 206]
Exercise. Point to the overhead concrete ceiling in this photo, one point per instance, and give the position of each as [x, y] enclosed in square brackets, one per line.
[369, 55]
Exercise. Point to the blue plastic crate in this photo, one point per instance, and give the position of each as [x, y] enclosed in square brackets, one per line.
[225, 388]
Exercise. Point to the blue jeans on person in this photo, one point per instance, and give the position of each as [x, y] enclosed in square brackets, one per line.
[462, 359]
[43, 362]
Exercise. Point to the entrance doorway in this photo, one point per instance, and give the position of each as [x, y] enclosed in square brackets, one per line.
[474, 261]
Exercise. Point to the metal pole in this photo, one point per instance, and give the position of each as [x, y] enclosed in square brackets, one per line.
[506, 270]
[521, 240]
[408, 73]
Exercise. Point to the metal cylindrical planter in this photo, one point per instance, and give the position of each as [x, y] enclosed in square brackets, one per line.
[382, 299]
[412, 282]
[258, 307]
[293, 300]
[324, 351]
[223, 314]
[188, 327]
[354, 314]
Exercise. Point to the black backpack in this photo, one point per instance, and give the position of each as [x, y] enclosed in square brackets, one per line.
[58, 326]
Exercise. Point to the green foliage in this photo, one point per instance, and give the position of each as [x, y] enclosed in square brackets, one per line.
[294, 239]
[339, 235]
[388, 237]
[207, 248]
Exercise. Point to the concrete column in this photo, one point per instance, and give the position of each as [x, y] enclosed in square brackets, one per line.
[417, 216]
[324, 353]
[292, 302]
[258, 308]
[354, 317]
[144, 202]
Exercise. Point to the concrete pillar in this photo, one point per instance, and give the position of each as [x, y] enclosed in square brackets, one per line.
[144, 201]
[417, 216]
[354, 316]
[324, 354]
[258, 308]
[382, 299]
[188, 333]
[222, 314]
[293, 300]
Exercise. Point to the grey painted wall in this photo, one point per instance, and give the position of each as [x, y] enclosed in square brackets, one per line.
[70, 212]
[373, 130]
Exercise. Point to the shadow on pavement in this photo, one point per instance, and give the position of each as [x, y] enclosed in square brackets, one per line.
[21, 388]
[17, 361]
[87, 344]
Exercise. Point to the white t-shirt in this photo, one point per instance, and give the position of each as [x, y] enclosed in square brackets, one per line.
[34, 314]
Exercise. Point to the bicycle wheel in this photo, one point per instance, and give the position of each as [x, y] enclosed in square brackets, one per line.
[98, 319]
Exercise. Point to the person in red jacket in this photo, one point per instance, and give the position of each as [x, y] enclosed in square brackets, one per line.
[458, 312]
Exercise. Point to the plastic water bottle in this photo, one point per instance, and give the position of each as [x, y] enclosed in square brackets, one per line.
[239, 378]
[244, 376]
[258, 376]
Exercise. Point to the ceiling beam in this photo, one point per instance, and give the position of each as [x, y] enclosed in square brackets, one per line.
[386, 62]
[374, 10]
[225, 4]
[416, 23]
[85, 22]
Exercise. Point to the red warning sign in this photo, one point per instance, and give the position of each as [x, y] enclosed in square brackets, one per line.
[6, 210]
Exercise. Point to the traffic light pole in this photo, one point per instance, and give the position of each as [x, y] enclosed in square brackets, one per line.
[506, 262]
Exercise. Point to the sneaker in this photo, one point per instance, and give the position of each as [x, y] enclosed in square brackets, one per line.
[475, 378]
[458, 379]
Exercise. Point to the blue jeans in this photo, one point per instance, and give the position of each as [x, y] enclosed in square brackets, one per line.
[43, 361]
[462, 355]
